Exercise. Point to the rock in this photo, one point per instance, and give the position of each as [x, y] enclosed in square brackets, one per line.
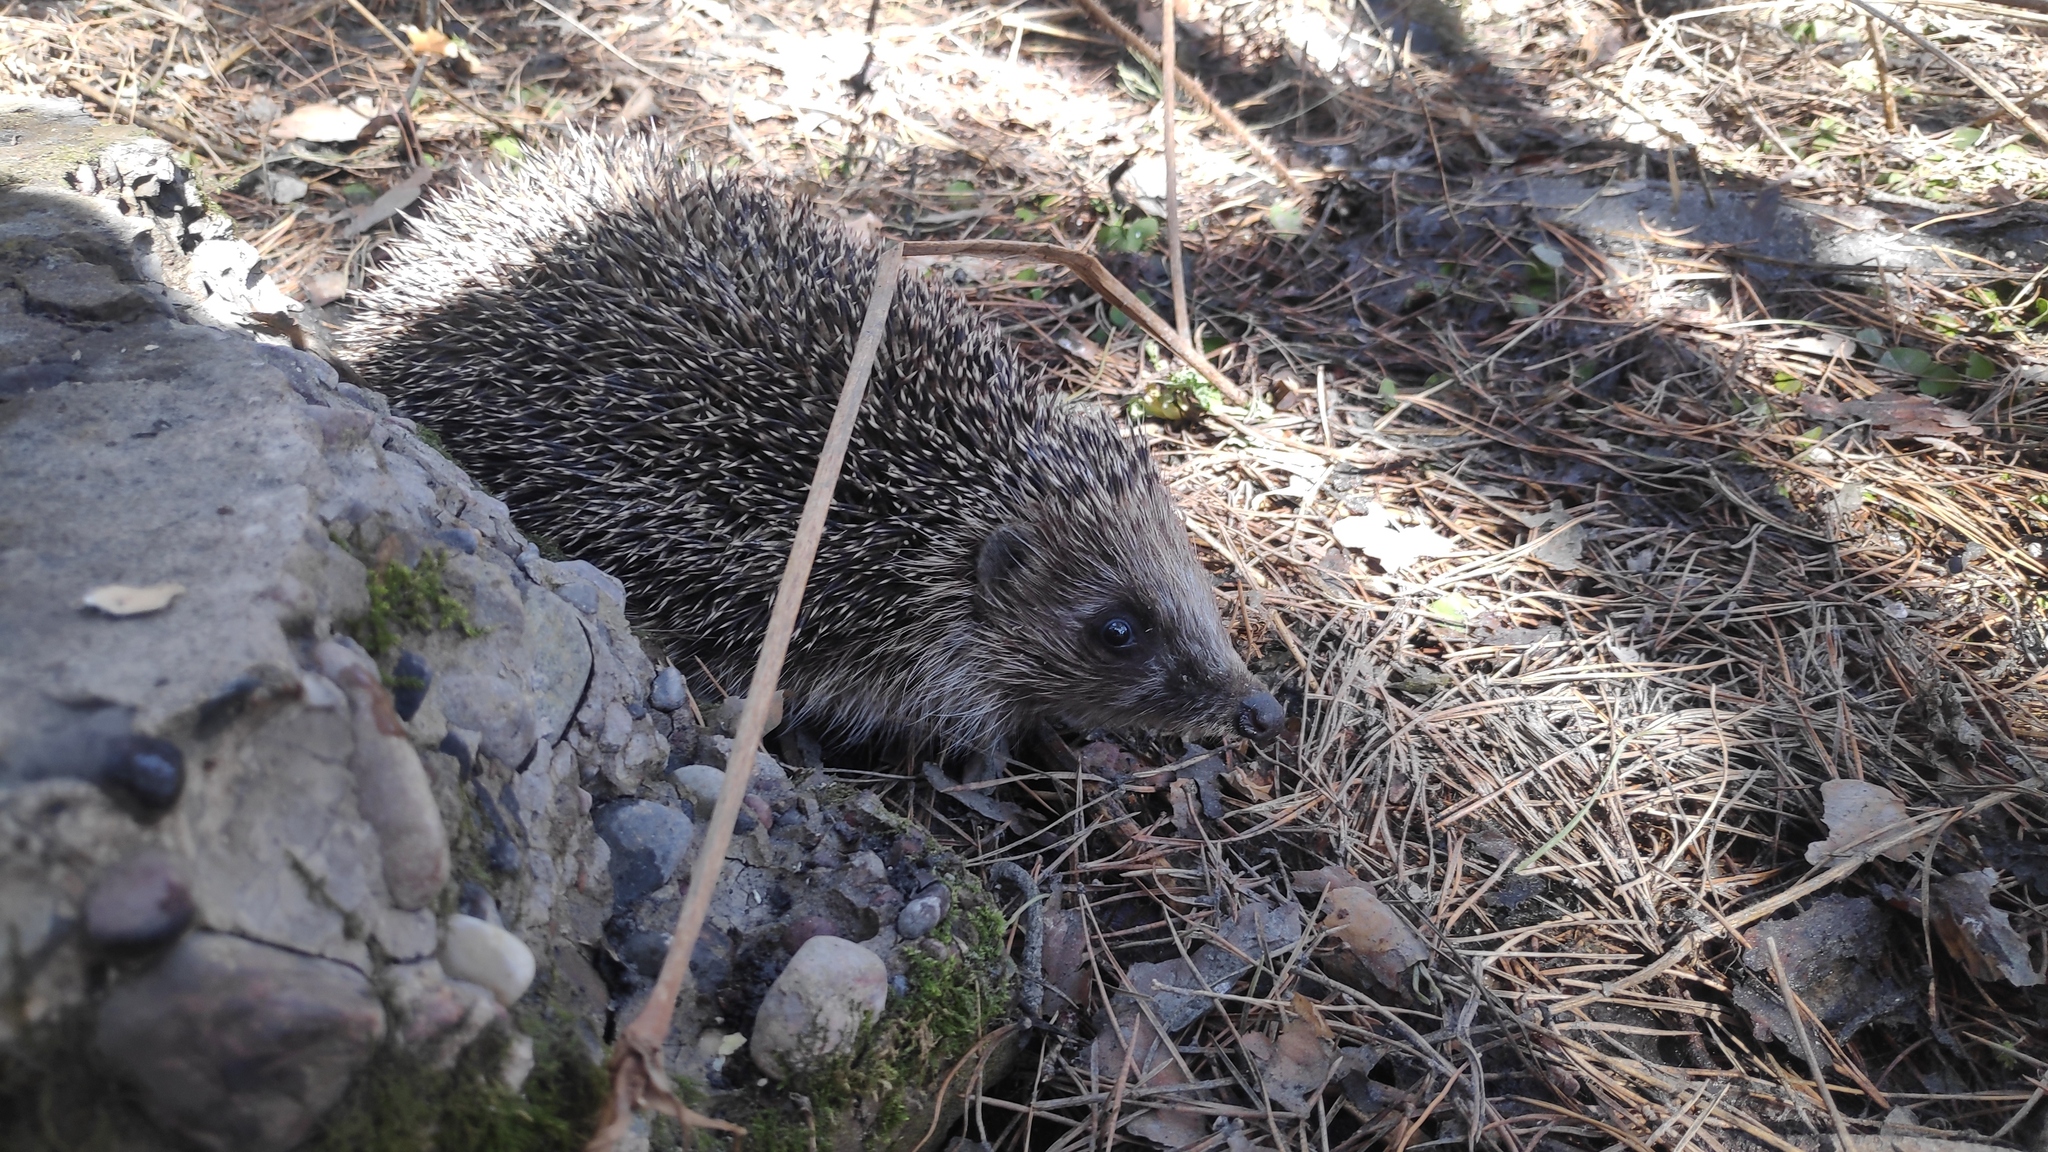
[438, 1017]
[518, 1064]
[666, 693]
[815, 1009]
[648, 842]
[497, 710]
[583, 570]
[145, 774]
[86, 291]
[240, 1046]
[392, 790]
[410, 679]
[700, 784]
[924, 911]
[139, 903]
[582, 594]
[463, 540]
[483, 953]
[770, 778]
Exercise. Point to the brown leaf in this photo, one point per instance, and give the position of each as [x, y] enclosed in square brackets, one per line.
[125, 600]
[1294, 1066]
[320, 124]
[1856, 810]
[1894, 415]
[1373, 932]
[1978, 935]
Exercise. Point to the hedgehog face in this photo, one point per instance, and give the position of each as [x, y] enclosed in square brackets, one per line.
[1112, 623]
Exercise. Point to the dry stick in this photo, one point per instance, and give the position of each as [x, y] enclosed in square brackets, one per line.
[167, 131]
[1093, 274]
[637, 1076]
[1794, 1008]
[2011, 109]
[1167, 71]
[1884, 74]
[1196, 92]
[601, 42]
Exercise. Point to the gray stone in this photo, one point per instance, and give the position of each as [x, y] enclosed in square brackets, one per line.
[435, 1016]
[485, 954]
[605, 582]
[239, 1046]
[648, 843]
[561, 660]
[666, 693]
[582, 594]
[141, 902]
[814, 1011]
[700, 785]
[924, 911]
[499, 711]
[392, 790]
[87, 291]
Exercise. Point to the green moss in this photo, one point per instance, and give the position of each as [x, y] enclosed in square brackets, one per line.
[409, 600]
[399, 1104]
[953, 1002]
[54, 1096]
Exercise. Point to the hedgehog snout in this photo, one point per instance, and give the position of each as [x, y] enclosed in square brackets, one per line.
[1260, 716]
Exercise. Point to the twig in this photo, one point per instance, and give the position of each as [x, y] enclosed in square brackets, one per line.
[1196, 92]
[167, 131]
[1884, 74]
[2014, 110]
[600, 41]
[1795, 1009]
[637, 1076]
[1093, 274]
[1167, 72]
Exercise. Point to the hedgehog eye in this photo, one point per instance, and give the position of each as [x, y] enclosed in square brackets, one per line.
[1118, 632]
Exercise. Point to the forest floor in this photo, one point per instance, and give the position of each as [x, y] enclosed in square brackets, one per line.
[1640, 496]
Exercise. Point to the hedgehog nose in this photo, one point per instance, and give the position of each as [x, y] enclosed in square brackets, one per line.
[1259, 716]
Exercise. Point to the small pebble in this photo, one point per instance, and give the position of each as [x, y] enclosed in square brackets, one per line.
[142, 901]
[667, 692]
[648, 843]
[923, 912]
[815, 1010]
[483, 953]
[410, 679]
[146, 774]
[502, 855]
[461, 539]
[699, 784]
[477, 901]
[803, 928]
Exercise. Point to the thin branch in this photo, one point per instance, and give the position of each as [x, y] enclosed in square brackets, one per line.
[637, 1075]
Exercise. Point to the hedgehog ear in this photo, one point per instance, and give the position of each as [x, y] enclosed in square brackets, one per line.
[1002, 556]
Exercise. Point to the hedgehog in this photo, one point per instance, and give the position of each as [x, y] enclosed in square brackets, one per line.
[640, 357]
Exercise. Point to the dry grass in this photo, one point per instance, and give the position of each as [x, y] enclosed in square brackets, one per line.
[1580, 752]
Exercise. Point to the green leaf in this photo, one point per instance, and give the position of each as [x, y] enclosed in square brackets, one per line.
[507, 146]
[1940, 381]
[1286, 219]
[1213, 343]
[1027, 273]
[1456, 608]
[1980, 367]
[1388, 389]
[1871, 339]
[1547, 254]
[1117, 317]
[1027, 215]
[1037, 293]
[1909, 361]
[1966, 136]
[1525, 305]
[1787, 383]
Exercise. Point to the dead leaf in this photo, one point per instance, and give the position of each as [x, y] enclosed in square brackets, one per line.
[1835, 956]
[1381, 940]
[1294, 1066]
[1395, 546]
[393, 201]
[427, 41]
[1312, 1012]
[126, 600]
[1857, 810]
[1894, 415]
[1978, 935]
[320, 124]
